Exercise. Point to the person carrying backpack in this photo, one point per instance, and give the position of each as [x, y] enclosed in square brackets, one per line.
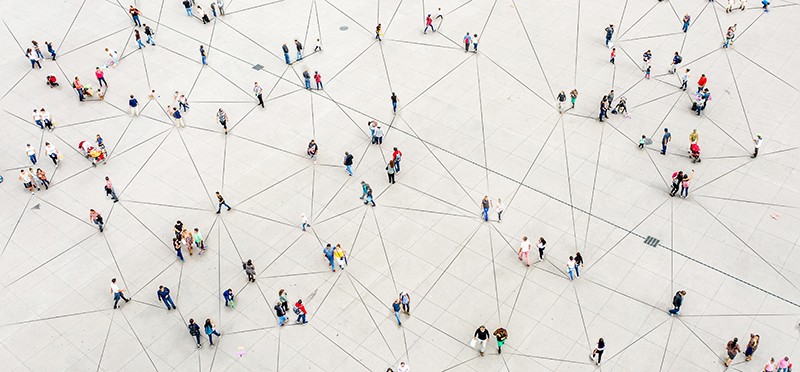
[194, 330]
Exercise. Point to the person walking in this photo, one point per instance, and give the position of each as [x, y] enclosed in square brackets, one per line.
[524, 250]
[284, 299]
[163, 296]
[783, 364]
[405, 302]
[403, 367]
[571, 267]
[27, 181]
[701, 83]
[135, 13]
[686, 20]
[280, 313]
[541, 245]
[378, 32]
[693, 137]
[33, 58]
[677, 301]
[222, 118]
[194, 329]
[257, 90]
[474, 43]
[603, 108]
[561, 98]
[598, 350]
[202, 52]
[37, 118]
[770, 366]
[428, 23]
[573, 96]
[250, 270]
[202, 14]
[685, 184]
[221, 7]
[304, 223]
[481, 336]
[646, 57]
[133, 103]
[176, 245]
[117, 292]
[348, 163]
[95, 217]
[340, 255]
[729, 35]
[578, 264]
[439, 15]
[318, 79]
[752, 345]
[299, 48]
[52, 152]
[100, 75]
[51, 50]
[221, 202]
[685, 79]
[613, 56]
[501, 335]
[109, 187]
[149, 32]
[396, 308]
[467, 42]
[609, 35]
[499, 208]
[328, 253]
[198, 240]
[138, 37]
[188, 6]
[732, 348]
[394, 102]
[368, 192]
[42, 178]
[307, 79]
[301, 312]
[665, 139]
[676, 60]
[486, 204]
[756, 145]
[396, 156]
[286, 54]
[390, 171]
[31, 152]
[228, 296]
[176, 114]
[210, 328]
[114, 57]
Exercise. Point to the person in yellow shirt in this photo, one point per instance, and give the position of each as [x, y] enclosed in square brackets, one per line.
[693, 139]
[340, 255]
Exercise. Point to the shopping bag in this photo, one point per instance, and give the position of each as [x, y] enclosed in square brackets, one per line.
[472, 342]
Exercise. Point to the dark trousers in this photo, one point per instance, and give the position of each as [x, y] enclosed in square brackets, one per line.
[391, 177]
[755, 153]
[102, 81]
[260, 100]
[674, 189]
[220, 206]
[110, 191]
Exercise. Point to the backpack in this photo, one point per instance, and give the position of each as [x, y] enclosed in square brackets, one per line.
[678, 59]
[193, 330]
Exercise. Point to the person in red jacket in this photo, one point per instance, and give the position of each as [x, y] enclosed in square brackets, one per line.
[318, 79]
[396, 155]
[701, 83]
[300, 310]
[428, 23]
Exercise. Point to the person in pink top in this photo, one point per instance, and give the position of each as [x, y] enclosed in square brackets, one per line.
[318, 79]
[101, 79]
[770, 366]
[428, 23]
[783, 364]
[110, 190]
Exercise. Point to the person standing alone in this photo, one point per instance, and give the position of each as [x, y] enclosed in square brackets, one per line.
[677, 301]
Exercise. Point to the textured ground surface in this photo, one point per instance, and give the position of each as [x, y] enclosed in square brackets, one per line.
[469, 125]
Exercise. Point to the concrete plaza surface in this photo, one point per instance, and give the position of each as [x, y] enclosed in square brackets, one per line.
[468, 125]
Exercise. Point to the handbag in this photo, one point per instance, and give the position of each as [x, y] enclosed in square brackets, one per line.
[473, 342]
[296, 310]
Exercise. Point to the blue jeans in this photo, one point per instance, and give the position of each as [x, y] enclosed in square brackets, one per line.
[136, 21]
[663, 148]
[35, 62]
[39, 123]
[80, 94]
[608, 40]
[308, 83]
[286, 57]
[397, 165]
[299, 55]
[39, 53]
[150, 40]
[219, 208]
[369, 200]
[577, 271]
[304, 225]
[394, 106]
[333, 264]
[675, 311]
[397, 316]
[141, 44]
[685, 27]
[203, 58]
[426, 28]
[570, 273]
[485, 214]
[303, 317]
[349, 171]
[102, 80]
[727, 41]
[475, 47]
[168, 302]
[33, 158]
[319, 85]
[189, 12]
[281, 320]
[211, 336]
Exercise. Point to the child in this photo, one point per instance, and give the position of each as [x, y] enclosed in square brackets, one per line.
[642, 141]
[647, 72]
[613, 55]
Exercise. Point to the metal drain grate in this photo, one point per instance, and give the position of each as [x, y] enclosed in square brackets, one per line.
[651, 241]
[258, 67]
[344, 28]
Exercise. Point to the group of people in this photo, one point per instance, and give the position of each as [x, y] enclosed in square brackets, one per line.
[184, 237]
[335, 256]
[401, 303]
[732, 349]
[481, 337]
[34, 53]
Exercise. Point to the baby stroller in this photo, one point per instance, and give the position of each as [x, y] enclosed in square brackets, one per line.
[51, 81]
[97, 156]
[695, 153]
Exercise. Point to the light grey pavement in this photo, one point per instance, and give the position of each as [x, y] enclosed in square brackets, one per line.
[468, 125]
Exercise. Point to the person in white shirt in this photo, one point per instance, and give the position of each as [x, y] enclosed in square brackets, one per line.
[52, 152]
[499, 208]
[403, 367]
[37, 118]
[27, 180]
[439, 14]
[571, 266]
[541, 246]
[47, 119]
[757, 144]
[524, 249]
[31, 152]
[117, 292]
[305, 222]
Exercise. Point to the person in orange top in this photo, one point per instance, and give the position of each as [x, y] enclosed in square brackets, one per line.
[701, 83]
[78, 87]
